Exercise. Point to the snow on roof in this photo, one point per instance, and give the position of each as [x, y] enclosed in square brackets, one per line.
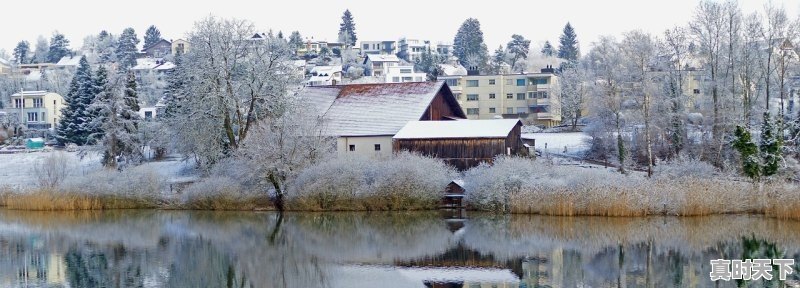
[152, 64]
[4, 61]
[154, 44]
[370, 109]
[497, 128]
[453, 70]
[383, 58]
[33, 76]
[326, 70]
[69, 61]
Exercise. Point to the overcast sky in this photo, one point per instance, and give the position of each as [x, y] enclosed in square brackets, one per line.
[433, 20]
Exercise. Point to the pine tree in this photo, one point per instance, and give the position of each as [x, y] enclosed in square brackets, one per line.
[295, 41]
[568, 44]
[428, 63]
[770, 146]
[347, 30]
[21, 52]
[126, 48]
[280, 34]
[748, 151]
[59, 47]
[173, 93]
[468, 45]
[548, 50]
[116, 122]
[131, 97]
[75, 123]
[151, 36]
[518, 49]
[498, 59]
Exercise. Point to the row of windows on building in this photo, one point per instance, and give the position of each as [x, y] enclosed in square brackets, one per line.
[352, 147]
[37, 103]
[519, 96]
[510, 110]
[509, 82]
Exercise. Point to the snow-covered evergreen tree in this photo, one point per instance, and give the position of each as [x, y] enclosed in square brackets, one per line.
[21, 52]
[126, 48]
[173, 93]
[518, 49]
[428, 63]
[116, 121]
[75, 123]
[498, 58]
[347, 29]
[151, 36]
[131, 97]
[59, 47]
[468, 45]
[548, 50]
[105, 46]
[770, 146]
[295, 41]
[568, 44]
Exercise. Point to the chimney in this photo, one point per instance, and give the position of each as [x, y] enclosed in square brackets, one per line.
[548, 69]
[473, 71]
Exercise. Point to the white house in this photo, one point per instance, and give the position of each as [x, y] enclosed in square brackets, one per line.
[364, 117]
[378, 64]
[325, 75]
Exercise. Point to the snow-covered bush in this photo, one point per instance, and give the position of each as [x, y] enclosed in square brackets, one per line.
[53, 169]
[404, 182]
[685, 168]
[139, 182]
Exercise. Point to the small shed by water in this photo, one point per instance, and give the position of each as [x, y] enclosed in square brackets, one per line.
[462, 143]
[454, 195]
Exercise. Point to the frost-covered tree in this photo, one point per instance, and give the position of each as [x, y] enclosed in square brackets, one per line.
[499, 59]
[568, 44]
[428, 63]
[75, 125]
[468, 45]
[233, 84]
[105, 47]
[151, 36]
[608, 104]
[40, 50]
[548, 50]
[21, 52]
[176, 87]
[126, 48]
[116, 122]
[574, 91]
[639, 50]
[59, 47]
[131, 97]
[281, 147]
[295, 41]
[347, 30]
[518, 49]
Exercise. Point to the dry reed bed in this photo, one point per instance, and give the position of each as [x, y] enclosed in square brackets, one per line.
[516, 185]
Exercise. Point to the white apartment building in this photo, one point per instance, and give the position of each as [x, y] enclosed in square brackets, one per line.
[402, 74]
[378, 64]
[378, 47]
[414, 47]
[530, 97]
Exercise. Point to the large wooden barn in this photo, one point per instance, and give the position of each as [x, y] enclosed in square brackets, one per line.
[464, 143]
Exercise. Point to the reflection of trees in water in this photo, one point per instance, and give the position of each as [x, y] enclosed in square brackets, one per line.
[632, 252]
[216, 249]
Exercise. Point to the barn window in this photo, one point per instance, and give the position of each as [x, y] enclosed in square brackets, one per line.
[352, 147]
[377, 147]
[472, 97]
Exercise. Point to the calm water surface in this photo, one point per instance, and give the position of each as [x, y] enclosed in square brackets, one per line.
[225, 249]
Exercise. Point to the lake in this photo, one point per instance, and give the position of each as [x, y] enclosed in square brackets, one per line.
[412, 249]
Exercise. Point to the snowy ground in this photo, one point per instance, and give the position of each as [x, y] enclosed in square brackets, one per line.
[570, 143]
[17, 170]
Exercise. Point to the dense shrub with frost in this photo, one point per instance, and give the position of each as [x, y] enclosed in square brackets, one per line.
[686, 168]
[405, 181]
[222, 193]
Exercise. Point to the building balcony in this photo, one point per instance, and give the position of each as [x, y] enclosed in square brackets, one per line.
[38, 125]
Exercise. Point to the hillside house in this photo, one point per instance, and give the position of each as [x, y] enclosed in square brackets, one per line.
[378, 64]
[364, 117]
[160, 49]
